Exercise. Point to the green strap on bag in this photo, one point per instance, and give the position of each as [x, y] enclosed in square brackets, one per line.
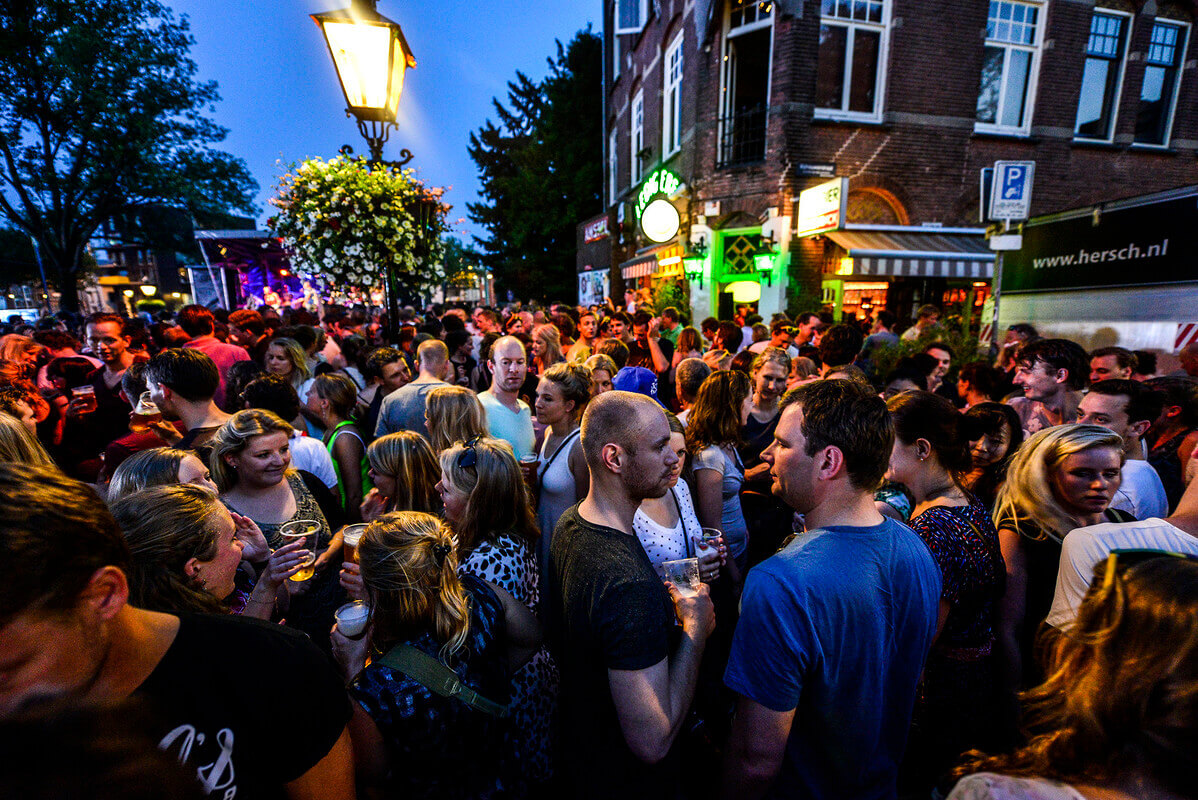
[438, 678]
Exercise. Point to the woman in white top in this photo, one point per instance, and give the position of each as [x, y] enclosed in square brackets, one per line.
[562, 394]
[667, 526]
[1117, 716]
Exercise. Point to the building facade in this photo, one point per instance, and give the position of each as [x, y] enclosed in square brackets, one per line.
[829, 152]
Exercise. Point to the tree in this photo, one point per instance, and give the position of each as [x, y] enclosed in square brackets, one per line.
[541, 171]
[101, 114]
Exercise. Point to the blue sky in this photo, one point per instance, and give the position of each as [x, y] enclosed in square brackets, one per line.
[281, 102]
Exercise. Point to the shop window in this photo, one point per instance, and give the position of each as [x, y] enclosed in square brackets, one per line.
[1009, 64]
[671, 111]
[746, 82]
[1158, 93]
[852, 41]
[1098, 99]
[637, 135]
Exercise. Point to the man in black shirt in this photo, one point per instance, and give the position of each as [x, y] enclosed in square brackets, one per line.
[626, 685]
[95, 420]
[647, 349]
[183, 384]
[253, 710]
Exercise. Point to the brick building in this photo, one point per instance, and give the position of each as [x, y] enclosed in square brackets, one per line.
[888, 109]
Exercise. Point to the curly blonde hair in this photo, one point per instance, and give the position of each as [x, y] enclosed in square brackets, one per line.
[1121, 695]
[235, 435]
[1027, 494]
[410, 570]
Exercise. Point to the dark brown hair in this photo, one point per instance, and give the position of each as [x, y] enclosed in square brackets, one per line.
[923, 415]
[715, 416]
[845, 415]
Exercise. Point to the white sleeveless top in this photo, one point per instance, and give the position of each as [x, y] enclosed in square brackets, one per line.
[668, 544]
[557, 491]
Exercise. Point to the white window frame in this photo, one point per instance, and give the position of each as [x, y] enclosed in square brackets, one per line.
[725, 55]
[613, 165]
[615, 58]
[642, 18]
[636, 135]
[1129, 20]
[883, 28]
[1033, 78]
[671, 97]
[1182, 44]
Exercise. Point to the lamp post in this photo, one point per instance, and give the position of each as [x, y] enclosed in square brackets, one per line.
[370, 55]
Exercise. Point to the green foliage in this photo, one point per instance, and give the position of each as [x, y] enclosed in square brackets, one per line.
[541, 172]
[963, 344]
[676, 294]
[100, 113]
[345, 221]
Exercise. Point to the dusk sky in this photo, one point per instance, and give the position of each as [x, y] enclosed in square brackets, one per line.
[281, 101]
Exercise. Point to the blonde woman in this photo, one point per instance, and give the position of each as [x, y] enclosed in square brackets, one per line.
[562, 474]
[251, 466]
[287, 358]
[404, 470]
[1060, 479]
[185, 548]
[453, 414]
[1116, 716]
[546, 348]
[603, 370]
[419, 601]
[19, 445]
[486, 505]
[21, 352]
[332, 398]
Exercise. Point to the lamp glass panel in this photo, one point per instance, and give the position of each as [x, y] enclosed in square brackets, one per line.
[660, 221]
[745, 291]
[362, 54]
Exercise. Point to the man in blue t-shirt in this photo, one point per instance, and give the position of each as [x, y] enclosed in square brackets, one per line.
[834, 629]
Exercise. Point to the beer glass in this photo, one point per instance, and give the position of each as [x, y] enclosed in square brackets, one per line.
[352, 619]
[308, 532]
[350, 536]
[684, 574]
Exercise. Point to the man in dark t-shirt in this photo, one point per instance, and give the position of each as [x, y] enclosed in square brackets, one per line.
[626, 683]
[254, 710]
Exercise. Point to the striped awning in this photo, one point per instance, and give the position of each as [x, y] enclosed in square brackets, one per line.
[921, 255]
[639, 267]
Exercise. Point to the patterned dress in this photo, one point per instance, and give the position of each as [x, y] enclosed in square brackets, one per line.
[955, 703]
[438, 746]
[511, 565]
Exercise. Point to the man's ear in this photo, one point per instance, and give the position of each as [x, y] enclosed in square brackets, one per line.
[1140, 428]
[106, 593]
[612, 456]
[830, 463]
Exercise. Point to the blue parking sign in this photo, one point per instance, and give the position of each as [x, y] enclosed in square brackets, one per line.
[1012, 196]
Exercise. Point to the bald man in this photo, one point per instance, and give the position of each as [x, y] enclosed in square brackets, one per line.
[403, 409]
[626, 687]
[508, 417]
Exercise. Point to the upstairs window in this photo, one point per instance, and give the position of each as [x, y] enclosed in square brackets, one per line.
[1098, 100]
[1009, 65]
[746, 82]
[671, 108]
[637, 134]
[852, 40]
[613, 168]
[1158, 93]
[631, 15]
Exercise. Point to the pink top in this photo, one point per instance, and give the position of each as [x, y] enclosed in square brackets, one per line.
[225, 356]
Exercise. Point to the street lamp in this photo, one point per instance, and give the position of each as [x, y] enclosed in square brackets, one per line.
[370, 55]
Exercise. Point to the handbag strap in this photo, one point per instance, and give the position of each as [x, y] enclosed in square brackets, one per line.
[438, 678]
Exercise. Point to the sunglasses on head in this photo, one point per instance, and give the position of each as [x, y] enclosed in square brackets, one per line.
[1119, 560]
[468, 458]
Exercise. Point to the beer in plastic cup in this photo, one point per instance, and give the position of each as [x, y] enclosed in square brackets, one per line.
[352, 619]
[350, 536]
[683, 573]
[307, 531]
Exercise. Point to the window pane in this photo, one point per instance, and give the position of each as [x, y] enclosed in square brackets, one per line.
[1152, 116]
[991, 84]
[865, 70]
[1018, 70]
[1092, 101]
[829, 78]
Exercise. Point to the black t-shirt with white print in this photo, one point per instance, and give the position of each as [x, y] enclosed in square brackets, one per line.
[248, 705]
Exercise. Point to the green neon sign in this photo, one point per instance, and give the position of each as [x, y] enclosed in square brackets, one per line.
[660, 181]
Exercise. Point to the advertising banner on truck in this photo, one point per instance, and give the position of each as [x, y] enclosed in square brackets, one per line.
[1140, 245]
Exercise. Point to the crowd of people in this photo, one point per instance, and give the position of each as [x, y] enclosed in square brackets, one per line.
[592, 552]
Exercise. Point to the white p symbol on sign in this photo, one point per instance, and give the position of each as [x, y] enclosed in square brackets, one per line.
[1013, 181]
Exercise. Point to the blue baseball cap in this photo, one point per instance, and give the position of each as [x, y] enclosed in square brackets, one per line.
[639, 380]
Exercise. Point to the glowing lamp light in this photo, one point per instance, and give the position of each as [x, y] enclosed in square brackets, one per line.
[370, 54]
[744, 291]
[845, 267]
[660, 221]
[128, 293]
[148, 290]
